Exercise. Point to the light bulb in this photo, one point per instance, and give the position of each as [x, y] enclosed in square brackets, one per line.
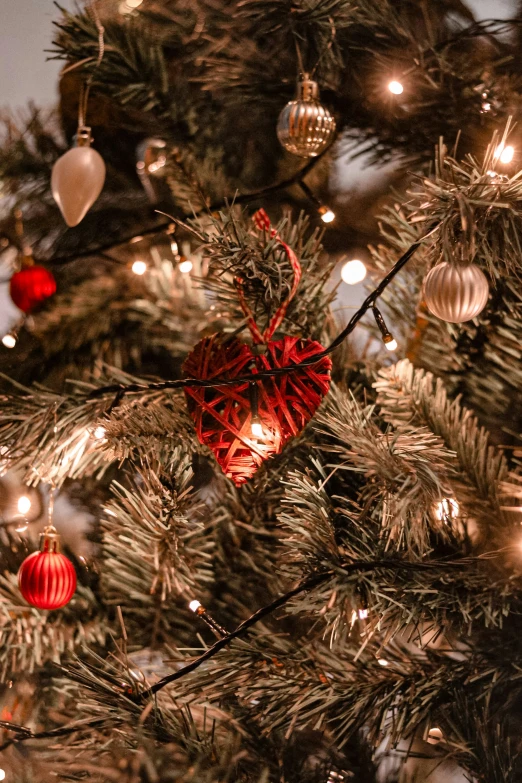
[447, 508]
[504, 154]
[507, 155]
[395, 87]
[9, 340]
[139, 267]
[129, 5]
[100, 432]
[257, 429]
[185, 266]
[391, 345]
[353, 271]
[435, 735]
[2, 774]
[157, 164]
[327, 216]
[174, 247]
[362, 614]
[383, 662]
[24, 504]
[194, 606]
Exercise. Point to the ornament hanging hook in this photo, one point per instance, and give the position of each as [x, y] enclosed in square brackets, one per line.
[25, 256]
[86, 86]
[50, 528]
[326, 48]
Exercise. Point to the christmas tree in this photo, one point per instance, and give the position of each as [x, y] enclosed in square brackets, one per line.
[287, 553]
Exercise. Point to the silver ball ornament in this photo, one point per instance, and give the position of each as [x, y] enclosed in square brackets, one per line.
[456, 293]
[305, 127]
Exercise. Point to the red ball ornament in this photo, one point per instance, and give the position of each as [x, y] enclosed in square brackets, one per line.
[223, 415]
[31, 286]
[47, 579]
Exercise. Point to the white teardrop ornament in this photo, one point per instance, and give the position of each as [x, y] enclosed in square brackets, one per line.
[456, 293]
[77, 179]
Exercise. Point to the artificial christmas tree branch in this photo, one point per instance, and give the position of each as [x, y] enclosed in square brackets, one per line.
[192, 382]
[240, 198]
[24, 734]
[309, 584]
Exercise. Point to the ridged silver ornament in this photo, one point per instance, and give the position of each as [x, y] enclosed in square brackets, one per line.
[305, 127]
[456, 293]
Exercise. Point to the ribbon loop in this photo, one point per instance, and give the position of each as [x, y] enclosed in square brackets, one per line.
[262, 223]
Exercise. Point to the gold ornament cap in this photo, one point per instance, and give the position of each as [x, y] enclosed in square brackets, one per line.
[50, 540]
[83, 136]
[307, 89]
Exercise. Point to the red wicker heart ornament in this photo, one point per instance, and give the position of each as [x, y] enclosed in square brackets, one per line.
[222, 415]
[285, 403]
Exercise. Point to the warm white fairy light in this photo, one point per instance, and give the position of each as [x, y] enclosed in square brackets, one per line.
[139, 267]
[336, 777]
[383, 662]
[507, 155]
[327, 215]
[395, 87]
[158, 164]
[353, 271]
[100, 432]
[435, 735]
[362, 614]
[504, 154]
[24, 504]
[185, 266]
[129, 5]
[9, 340]
[447, 508]
[2, 774]
[391, 345]
[256, 427]
[194, 606]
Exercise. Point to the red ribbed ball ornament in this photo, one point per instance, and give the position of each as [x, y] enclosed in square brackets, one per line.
[47, 579]
[31, 286]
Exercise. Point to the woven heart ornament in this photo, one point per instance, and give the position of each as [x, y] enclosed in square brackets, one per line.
[286, 403]
[223, 415]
